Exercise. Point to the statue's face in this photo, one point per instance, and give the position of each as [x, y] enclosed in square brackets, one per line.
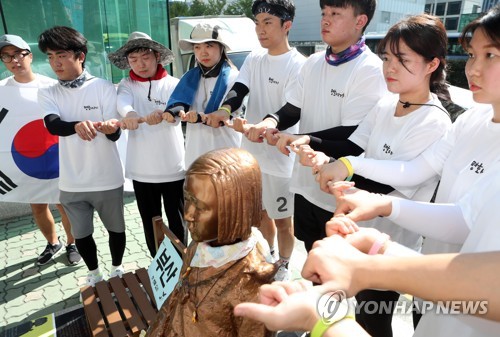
[200, 208]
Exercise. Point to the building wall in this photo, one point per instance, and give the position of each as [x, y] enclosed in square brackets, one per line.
[306, 27]
[452, 18]
[487, 4]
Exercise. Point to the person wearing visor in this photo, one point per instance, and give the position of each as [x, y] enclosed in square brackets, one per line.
[17, 57]
[201, 90]
[155, 150]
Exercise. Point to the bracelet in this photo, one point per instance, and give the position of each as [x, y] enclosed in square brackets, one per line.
[350, 170]
[226, 110]
[378, 244]
[320, 327]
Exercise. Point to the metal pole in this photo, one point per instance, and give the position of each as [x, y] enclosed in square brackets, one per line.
[3, 18]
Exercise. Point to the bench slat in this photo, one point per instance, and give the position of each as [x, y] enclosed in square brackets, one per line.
[143, 276]
[140, 297]
[109, 307]
[127, 307]
[93, 313]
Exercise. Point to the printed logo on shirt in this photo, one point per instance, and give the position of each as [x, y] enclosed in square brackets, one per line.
[387, 149]
[334, 93]
[88, 107]
[273, 81]
[476, 167]
[158, 102]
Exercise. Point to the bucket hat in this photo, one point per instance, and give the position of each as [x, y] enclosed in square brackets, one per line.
[13, 40]
[139, 40]
[205, 32]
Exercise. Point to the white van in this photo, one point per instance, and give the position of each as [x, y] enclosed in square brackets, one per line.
[242, 35]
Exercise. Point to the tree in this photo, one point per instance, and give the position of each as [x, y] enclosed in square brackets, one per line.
[198, 8]
[178, 8]
[215, 7]
[239, 7]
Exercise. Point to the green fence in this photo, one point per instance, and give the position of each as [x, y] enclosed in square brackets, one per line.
[105, 23]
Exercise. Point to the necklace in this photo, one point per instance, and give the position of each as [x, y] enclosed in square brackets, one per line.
[407, 104]
[194, 317]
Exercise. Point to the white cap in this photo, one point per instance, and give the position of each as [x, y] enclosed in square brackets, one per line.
[13, 40]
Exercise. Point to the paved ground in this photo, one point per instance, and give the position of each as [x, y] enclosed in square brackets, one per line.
[28, 292]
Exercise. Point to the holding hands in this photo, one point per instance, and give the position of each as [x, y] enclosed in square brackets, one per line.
[309, 157]
[156, 117]
[330, 173]
[359, 205]
[131, 121]
[87, 130]
[293, 141]
[109, 127]
[284, 305]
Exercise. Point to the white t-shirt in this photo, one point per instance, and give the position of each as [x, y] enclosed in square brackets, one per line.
[155, 153]
[331, 96]
[270, 78]
[385, 136]
[202, 138]
[480, 210]
[85, 166]
[40, 81]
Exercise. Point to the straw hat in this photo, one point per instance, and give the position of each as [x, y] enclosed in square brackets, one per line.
[204, 32]
[139, 40]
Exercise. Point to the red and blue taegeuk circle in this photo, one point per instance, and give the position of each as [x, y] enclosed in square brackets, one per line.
[35, 151]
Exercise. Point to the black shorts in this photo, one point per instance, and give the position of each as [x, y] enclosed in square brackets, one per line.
[309, 221]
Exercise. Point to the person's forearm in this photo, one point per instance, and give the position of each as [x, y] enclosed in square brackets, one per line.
[443, 222]
[58, 127]
[393, 172]
[115, 136]
[286, 117]
[441, 277]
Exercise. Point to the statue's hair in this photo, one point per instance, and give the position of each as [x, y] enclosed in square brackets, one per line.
[237, 179]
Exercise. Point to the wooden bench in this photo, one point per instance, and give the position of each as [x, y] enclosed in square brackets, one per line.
[125, 306]
[120, 306]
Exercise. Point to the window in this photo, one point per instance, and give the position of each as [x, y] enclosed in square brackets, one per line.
[385, 17]
[428, 8]
[106, 25]
[454, 8]
[440, 7]
[451, 23]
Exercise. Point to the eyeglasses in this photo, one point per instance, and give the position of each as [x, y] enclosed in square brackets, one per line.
[6, 58]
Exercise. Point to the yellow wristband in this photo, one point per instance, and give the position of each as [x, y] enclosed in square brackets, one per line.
[320, 327]
[226, 110]
[350, 170]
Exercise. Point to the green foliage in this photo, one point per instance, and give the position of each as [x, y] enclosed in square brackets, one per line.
[197, 8]
[240, 7]
[178, 8]
[211, 7]
[456, 73]
[215, 7]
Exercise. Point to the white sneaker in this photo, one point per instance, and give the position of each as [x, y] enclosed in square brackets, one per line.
[118, 271]
[92, 279]
[283, 274]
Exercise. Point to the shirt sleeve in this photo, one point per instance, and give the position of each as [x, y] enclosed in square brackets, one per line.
[443, 222]
[125, 99]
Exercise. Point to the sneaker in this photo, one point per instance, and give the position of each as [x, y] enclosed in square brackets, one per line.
[119, 271]
[92, 279]
[73, 255]
[49, 253]
[283, 274]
